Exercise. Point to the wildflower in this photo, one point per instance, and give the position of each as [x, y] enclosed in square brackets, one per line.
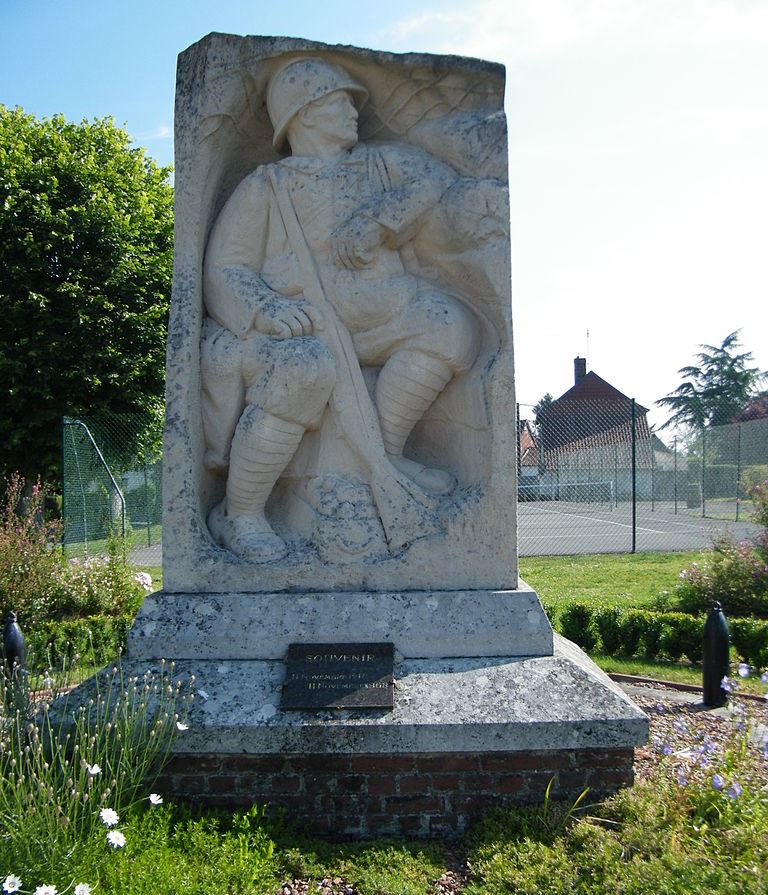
[45, 890]
[180, 725]
[109, 817]
[82, 889]
[735, 791]
[115, 838]
[718, 782]
[682, 780]
[764, 677]
[727, 684]
[660, 708]
[93, 770]
[11, 884]
[743, 669]
[666, 749]
[680, 725]
[144, 579]
[155, 799]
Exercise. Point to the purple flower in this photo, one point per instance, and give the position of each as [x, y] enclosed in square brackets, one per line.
[764, 677]
[718, 782]
[743, 669]
[680, 725]
[727, 684]
[666, 749]
[682, 780]
[735, 791]
[660, 708]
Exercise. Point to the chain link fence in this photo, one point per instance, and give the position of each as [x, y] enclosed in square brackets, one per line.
[112, 487]
[594, 478]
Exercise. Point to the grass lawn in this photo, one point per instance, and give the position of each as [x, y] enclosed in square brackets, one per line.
[610, 579]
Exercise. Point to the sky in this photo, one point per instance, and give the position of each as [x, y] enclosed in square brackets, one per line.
[638, 134]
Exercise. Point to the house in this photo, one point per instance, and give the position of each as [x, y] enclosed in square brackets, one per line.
[588, 440]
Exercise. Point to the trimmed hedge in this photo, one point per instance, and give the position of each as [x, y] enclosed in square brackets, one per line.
[96, 639]
[616, 631]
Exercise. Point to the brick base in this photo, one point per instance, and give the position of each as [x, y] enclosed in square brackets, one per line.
[411, 795]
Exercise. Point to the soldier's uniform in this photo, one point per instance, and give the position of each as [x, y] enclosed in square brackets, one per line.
[261, 392]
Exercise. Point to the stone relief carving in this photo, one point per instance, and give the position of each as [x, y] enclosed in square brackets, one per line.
[348, 287]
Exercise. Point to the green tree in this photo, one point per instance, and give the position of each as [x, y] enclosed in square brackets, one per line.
[541, 405]
[86, 244]
[715, 389]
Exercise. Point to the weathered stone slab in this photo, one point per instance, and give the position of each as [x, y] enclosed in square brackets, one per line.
[429, 624]
[372, 449]
[507, 704]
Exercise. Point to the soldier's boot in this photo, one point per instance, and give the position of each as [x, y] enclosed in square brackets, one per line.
[407, 386]
[261, 449]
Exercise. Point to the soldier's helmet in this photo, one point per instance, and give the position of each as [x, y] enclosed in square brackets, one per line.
[299, 83]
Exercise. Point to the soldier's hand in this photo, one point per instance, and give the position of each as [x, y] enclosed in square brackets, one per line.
[283, 319]
[354, 244]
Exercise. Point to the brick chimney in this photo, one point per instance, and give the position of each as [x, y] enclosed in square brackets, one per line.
[579, 369]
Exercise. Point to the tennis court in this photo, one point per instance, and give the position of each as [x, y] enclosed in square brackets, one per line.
[569, 527]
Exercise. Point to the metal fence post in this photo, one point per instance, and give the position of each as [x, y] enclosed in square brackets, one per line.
[674, 479]
[703, 472]
[634, 477]
[738, 469]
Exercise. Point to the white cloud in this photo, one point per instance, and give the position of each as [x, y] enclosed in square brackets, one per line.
[517, 31]
[161, 132]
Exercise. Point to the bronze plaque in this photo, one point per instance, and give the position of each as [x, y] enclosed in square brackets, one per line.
[339, 676]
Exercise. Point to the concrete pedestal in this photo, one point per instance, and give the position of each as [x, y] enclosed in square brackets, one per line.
[466, 734]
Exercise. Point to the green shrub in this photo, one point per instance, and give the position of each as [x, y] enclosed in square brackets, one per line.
[608, 621]
[753, 475]
[100, 637]
[576, 624]
[749, 637]
[634, 626]
[617, 631]
[682, 635]
[735, 575]
[40, 585]
[653, 628]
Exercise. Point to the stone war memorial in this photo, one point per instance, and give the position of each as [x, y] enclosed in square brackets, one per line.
[339, 540]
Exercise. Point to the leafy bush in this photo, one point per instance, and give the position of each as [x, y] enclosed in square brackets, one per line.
[100, 637]
[749, 637]
[576, 624]
[617, 631]
[736, 574]
[682, 635]
[608, 623]
[753, 475]
[40, 585]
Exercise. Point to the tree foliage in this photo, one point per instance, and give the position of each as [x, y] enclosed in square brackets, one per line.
[715, 389]
[86, 244]
[540, 407]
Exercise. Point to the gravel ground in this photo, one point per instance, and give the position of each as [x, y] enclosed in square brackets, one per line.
[676, 718]
[671, 712]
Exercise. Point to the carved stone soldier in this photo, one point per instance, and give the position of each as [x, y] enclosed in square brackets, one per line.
[303, 284]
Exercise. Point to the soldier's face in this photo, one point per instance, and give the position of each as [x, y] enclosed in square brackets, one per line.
[334, 116]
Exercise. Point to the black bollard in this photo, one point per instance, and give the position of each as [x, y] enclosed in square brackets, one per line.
[14, 648]
[717, 643]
